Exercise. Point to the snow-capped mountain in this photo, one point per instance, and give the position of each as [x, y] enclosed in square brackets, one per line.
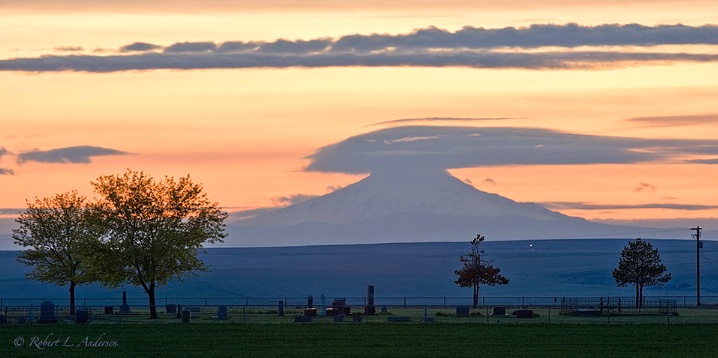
[411, 206]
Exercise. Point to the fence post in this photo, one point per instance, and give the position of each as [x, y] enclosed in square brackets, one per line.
[404, 302]
[444, 302]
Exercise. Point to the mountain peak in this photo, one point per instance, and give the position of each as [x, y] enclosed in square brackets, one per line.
[391, 192]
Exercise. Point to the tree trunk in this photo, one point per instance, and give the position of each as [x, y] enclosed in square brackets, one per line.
[638, 298]
[151, 296]
[72, 297]
[476, 296]
[640, 294]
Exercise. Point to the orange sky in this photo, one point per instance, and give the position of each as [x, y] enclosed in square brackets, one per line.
[245, 133]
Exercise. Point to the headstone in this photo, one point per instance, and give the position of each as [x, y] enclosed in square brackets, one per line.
[310, 301]
[109, 310]
[384, 310]
[171, 309]
[124, 308]
[82, 316]
[222, 313]
[524, 314]
[3, 319]
[463, 311]
[339, 318]
[179, 311]
[280, 309]
[370, 309]
[310, 312]
[358, 318]
[47, 312]
[21, 320]
[498, 311]
[186, 316]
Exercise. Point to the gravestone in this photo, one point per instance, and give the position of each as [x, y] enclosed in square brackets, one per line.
[310, 301]
[280, 308]
[124, 308]
[370, 309]
[47, 312]
[524, 314]
[384, 310]
[179, 311]
[109, 310]
[498, 311]
[463, 311]
[3, 319]
[186, 316]
[339, 318]
[358, 318]
[171, 309]
[21, 320]
[82, 316]
[222, 313]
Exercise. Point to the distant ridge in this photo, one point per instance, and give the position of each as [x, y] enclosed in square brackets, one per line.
[413, 206]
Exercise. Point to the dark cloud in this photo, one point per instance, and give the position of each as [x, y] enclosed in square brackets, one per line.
[431, 47]
[80, 154]
[6, 171]
[3, 151]
[670, 121]
[489, 181]
[293, 199]
[295, 47]
[68, 49]
[644, 187]
[184, 47]
[570, 35]
[139, 47]
[704, 161]
[567, 205]
[202, 59]
[433, 147]
[237, 46]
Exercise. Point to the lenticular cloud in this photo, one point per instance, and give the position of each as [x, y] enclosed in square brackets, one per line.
[430, 148]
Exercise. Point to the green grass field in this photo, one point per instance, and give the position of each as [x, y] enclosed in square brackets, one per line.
[320, 339]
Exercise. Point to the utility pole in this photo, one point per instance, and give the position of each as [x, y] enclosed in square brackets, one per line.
[698, 263]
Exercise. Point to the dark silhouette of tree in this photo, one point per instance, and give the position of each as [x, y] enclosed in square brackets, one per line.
[640, 265]
[54, 230]
[153, 230]
[476, 271]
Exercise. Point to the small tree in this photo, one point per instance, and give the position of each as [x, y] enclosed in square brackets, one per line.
[154, 230]
[640, 265]
[54, 230]
[476, 271]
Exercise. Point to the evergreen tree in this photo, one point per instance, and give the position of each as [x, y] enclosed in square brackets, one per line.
[640, 265]
[477, 271]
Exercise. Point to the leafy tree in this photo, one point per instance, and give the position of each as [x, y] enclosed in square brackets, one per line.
[640, 265]
[153, 230]
[54, 230]
[476, 271]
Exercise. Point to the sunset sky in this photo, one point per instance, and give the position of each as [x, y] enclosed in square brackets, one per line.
[602, 109]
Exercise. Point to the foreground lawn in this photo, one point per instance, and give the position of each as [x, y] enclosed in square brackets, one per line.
[359, 340]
